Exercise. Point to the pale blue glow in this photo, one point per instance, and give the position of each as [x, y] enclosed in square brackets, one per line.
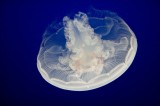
[86, 52]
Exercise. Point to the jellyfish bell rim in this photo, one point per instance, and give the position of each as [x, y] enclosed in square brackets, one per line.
[92, 86]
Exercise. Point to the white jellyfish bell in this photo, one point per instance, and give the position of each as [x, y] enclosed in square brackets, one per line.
[86, 52]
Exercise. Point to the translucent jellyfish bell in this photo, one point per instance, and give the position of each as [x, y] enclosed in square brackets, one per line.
[86, 52]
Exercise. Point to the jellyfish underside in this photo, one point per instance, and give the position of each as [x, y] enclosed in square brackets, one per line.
[98, 50]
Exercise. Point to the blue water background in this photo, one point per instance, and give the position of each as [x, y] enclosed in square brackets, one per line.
[22, 26]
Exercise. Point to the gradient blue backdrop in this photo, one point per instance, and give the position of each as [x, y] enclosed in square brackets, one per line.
[22, 26]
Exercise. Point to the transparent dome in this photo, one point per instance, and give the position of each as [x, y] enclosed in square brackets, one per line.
[86, 52]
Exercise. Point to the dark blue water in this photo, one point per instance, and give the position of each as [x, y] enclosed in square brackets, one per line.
[22, 26]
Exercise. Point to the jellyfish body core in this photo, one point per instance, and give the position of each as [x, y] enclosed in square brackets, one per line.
[87, 51]
[97, 50]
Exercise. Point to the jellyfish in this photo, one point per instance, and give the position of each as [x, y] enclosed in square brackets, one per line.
[87, 51]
